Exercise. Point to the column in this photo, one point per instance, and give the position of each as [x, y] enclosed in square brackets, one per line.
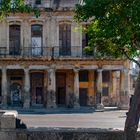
[76, 88]
[91, 94]
[51, 95]
[4, 87]
[99, 104]
[45, 86]
[26, 89]
[124, 89]
[115, 95]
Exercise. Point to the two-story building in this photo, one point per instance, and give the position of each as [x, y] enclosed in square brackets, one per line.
[42, 62]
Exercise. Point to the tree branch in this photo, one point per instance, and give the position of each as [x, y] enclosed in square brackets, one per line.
[131, 59]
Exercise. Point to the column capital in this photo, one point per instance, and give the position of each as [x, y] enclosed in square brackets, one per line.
[99, 70]
[51, 69]
[76, 70]
[26, 70]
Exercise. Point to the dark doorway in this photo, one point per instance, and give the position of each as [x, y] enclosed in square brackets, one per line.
[65, 39]
[61, 88]
[14, 39]
[39, 96]
[83, 96]
[15, 90]
[61, 95]
[37, 86]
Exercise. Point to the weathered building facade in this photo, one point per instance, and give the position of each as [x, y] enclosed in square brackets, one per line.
[42, 63]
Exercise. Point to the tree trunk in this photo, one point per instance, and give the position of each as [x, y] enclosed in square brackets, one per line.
[132, 120]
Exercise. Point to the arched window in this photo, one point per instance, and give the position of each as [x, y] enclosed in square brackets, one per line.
[14, 39]
[36, 36]
[65, 39]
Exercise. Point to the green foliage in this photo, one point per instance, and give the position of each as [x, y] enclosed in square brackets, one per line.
[16, 6]
[114, 25]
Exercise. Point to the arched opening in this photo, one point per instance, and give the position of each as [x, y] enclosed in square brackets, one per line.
[36, 39]
[14, 40]
[64, 39]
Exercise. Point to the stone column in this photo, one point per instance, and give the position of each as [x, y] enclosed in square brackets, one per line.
[76, 88]
[4, 87]
[124, 89]
[26, 89]
[91, 93]
[51, 95]
[45, 86]
[99, 104]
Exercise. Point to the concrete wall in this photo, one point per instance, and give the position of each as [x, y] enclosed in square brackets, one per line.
[12, 128]
[62, 134]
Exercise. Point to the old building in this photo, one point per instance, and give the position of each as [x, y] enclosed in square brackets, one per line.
[42, 62]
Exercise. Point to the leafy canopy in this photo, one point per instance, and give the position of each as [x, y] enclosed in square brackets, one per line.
[114, 26]
[15, 6]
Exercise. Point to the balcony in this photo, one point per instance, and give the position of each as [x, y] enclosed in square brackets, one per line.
[37, 51]
[53, 52]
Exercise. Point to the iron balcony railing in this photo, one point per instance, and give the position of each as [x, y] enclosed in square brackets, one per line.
[37, 51]
[54, 52]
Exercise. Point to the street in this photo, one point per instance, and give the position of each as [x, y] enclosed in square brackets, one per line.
[107, 119]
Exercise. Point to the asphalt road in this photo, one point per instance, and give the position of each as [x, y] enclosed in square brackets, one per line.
[107, 119]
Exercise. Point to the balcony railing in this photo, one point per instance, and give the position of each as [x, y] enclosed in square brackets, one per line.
[37, 51]
[54, 52]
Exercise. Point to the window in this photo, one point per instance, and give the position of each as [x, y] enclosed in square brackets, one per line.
[14, 39]
[85, 43]
[38, 2]
[84, 38]
[36, 35]
[106, 76]
[36, 30]
[65, 39]
[83, 76]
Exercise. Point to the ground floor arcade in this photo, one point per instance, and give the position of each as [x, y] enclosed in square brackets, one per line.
[52, 86]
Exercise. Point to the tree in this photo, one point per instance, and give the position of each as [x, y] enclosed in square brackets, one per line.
[114, 29]
[16, 6]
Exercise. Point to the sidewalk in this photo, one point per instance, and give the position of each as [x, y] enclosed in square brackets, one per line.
[58, 110]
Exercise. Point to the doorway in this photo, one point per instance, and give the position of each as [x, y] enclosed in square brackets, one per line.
[15, 91]
[83, 96]
[37, 86]
[39, 96]
[61, 88]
